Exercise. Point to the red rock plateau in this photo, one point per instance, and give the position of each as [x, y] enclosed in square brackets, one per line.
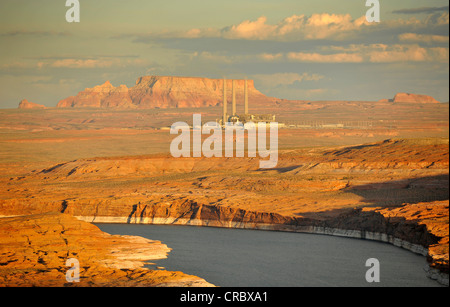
[25, 104]
[162, 92]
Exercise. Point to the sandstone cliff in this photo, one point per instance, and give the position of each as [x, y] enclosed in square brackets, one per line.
[25, 104]
[34, 250]
[163, 92]
[105, 95]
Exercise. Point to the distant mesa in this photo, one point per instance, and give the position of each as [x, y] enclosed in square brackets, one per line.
[410, 98]
[25, 104]
[162, 92]
[414, 98]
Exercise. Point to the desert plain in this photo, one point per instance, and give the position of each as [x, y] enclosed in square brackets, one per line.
[370, 169]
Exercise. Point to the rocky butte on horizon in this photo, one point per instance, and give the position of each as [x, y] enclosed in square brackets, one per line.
[162, 92]
[25, 104]
[181, 92]
[410, 98]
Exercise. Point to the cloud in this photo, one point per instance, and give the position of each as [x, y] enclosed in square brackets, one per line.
[438, 19]
[372, 53]
[258, 29]
[398, 54]
[304, 94]
[422, 10]
[226, 58]
[64, 57]
[315, 27]
[291, 85]
[88, 63]
[70, 62]
[325, 58]
[34, 33]
[344, 54]
[267, 57]
[284, 79]
[76, 63]
[292, 28]
[297, 28]
[423, 38]
[217, 57]
[408, 53]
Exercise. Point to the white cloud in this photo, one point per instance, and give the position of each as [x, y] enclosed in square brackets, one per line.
[258, 29]
[301, 27]
[325, 58]
[295, 27]
[408, 53]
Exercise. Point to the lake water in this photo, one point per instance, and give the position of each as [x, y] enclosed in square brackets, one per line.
[255, 258]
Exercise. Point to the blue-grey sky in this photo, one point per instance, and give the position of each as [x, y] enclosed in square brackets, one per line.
[294, 49]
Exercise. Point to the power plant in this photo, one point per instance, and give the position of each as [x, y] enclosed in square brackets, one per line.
[243, 118]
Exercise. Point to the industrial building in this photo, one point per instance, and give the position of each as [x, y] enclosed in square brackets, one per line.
[233, 117]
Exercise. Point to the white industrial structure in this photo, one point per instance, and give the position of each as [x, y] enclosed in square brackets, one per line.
[246, 117]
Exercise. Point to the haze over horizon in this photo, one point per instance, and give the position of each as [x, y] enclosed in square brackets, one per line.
[312, 50]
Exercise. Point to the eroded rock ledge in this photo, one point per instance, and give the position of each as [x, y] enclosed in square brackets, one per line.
[34, 250]
[422, 228]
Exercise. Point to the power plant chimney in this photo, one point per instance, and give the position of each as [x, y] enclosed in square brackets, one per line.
[224, 101]
[234, 99]
[245, 98]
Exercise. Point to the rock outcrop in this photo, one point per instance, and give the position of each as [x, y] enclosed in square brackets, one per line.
[25, 104]
[105, 95]
[433, 218]
[34, 250]
[413, 98]
[162, 92]
[410, 98]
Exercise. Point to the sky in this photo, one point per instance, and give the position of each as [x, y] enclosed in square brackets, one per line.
[302, 49]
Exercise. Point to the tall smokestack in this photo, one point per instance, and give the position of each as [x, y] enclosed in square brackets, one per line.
[224, 101]
[234, 99]
[246, 97]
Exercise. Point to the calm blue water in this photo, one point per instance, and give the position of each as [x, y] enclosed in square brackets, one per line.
[253, 258]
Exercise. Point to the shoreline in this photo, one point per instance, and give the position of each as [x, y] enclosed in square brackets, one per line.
[36, 255]
[432, 273]
[355, 234]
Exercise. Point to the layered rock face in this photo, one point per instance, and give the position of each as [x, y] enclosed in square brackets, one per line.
[34, 250]
[105, 95]
[25, 104]
[162, 92]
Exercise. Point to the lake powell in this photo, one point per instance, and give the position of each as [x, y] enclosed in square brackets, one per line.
[255, 258]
